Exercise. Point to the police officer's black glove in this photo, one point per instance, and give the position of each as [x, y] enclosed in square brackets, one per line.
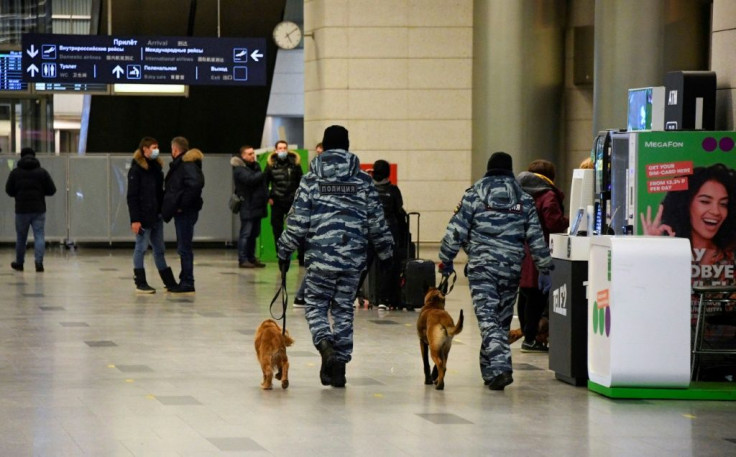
[284, 265]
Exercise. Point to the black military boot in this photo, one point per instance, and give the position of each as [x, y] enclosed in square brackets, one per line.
[167, 276]
[141, 286]
[338, 374]
[328, 360]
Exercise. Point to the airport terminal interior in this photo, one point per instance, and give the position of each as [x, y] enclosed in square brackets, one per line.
[90, 368]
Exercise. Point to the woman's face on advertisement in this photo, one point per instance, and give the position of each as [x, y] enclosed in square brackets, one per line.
[709, 209]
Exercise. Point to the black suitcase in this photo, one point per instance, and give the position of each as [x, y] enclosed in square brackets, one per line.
[418, 276]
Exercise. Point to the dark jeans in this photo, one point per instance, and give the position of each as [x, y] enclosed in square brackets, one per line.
[23, 221]
[532, 303]
[250, 229]
[278, 214]
[279, 210]
[184, 223]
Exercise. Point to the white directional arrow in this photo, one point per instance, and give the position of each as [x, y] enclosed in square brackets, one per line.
[33, 52]
[33, 69]
[255, 55]
[117, 71]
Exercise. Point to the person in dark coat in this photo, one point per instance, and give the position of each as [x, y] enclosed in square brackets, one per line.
[539, 183]
[250, 185]
[145, 196]
[396, 219]
[182, 201]
[283, 174]
[29, 184]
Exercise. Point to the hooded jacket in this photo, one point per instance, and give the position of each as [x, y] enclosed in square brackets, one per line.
[145, 189]
[492, 222]
[250, 185]
[29, 184]
[393, 211]
[337, 212]
[183, 185]
[548, 201]
[283, 176]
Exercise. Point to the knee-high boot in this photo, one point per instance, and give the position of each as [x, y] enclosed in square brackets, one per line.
[167, 276]
[141, 286]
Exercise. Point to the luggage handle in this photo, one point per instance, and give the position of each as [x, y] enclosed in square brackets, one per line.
[408, 223]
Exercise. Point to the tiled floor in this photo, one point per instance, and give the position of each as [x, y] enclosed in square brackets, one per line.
[89, 368]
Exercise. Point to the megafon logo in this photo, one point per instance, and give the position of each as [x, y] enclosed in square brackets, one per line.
[725, 144]
[664, 144]
[602, 313]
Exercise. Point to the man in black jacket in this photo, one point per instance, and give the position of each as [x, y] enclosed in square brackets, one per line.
[29, 184]
[182, 202]
[145, 196]
[283, 174]
[250, 185]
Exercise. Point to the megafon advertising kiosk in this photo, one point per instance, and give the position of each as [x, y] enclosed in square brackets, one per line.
[683, 184]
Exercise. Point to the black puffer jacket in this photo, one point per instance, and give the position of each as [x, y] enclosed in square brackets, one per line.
[145, 189]
[183, 185]
[393, 211]
[29, 184]
[283, 176]
[250, 184]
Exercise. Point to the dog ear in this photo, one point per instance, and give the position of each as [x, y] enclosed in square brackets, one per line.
[288, 340]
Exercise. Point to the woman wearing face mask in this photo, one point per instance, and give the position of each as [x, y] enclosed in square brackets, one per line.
[145, 194]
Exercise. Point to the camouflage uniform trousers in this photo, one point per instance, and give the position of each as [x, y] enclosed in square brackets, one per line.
[493, 299]
[335, 293]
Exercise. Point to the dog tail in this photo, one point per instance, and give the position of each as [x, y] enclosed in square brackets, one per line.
[288, 340]
[458, 326]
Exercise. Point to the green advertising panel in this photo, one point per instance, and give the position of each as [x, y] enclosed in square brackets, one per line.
[686, 187]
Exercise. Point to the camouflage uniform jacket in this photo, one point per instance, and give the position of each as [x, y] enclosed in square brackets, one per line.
[492, 221]
[337, 212]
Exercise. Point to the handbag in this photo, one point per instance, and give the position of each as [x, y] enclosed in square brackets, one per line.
[235, 202]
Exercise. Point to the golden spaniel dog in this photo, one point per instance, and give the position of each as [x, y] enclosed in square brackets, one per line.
[542, 332]
[436, 329]
[271, 352]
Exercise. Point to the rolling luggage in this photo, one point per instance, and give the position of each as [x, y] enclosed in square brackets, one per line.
[418, 275]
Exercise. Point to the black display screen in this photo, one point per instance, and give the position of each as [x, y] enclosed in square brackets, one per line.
[11, 71]
[95, 59]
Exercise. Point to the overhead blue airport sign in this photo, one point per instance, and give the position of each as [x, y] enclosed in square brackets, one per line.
[144, 60]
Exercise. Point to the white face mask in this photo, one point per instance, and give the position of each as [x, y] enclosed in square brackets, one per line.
[154, 153]
[282, 154]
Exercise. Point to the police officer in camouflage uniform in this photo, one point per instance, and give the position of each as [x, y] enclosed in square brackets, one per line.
[493, 220]
[337, 212]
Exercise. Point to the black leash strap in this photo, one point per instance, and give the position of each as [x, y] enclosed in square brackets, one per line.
[445, 286]
[284, 302]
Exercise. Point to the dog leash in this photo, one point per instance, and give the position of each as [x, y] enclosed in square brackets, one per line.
[444, 286]
[284, 303]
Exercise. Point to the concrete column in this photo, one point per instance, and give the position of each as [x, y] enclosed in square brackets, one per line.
[636, 43]
[518, 59]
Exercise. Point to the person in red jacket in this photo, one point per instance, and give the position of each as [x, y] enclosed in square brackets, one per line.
[539, 182]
